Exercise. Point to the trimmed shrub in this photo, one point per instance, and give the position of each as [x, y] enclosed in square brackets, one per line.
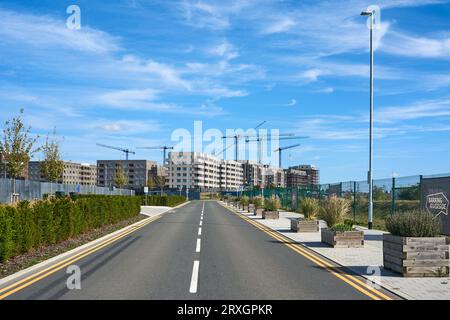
[7, 244]
[413, 224]
[272, 204]
[27, 226]
[162, 201]
[309, 207]
[334, 210]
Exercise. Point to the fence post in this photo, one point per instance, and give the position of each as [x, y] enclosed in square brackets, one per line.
[393, 196]
[420, 193]
[354, 201]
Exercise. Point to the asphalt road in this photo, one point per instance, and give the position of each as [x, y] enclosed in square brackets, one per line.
[171, 259]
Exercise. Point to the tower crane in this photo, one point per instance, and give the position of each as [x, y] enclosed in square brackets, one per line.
[124, 150]
[280, 151]
[163, 148]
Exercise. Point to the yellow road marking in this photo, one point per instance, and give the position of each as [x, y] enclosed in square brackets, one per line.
[349, 279]
[305, 252]
[61, 264]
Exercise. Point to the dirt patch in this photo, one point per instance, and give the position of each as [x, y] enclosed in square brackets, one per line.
[35, 256]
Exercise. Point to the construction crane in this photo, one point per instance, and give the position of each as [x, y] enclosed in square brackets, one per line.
[285, 136]
[163, 148]
[236, 140]
[280, 150]
[126, 151]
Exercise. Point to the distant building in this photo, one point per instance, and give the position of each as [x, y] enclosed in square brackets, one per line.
[253, 173]
[4, 173]
[74, 173]
[231, 175]
[274, 177]
[296, 178]
[203, 172]
[138, 172]
[312, 174]
[261, 175]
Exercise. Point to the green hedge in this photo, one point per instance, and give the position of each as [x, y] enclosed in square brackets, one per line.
[27, 226]
[163, 201]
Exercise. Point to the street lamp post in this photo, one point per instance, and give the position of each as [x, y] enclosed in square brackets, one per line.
[371, 15]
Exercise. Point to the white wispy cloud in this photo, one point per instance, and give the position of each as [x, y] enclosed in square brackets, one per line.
[292, 103]
[224, 50]
[416, 46]
[280, 25]
[126, 127]
[418, 110]
[46, 32]
[212, 14]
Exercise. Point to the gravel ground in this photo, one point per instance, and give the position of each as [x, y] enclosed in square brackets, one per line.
[35, 256]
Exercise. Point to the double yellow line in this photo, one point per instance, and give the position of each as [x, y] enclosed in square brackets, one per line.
[353, 281]
[27, 281]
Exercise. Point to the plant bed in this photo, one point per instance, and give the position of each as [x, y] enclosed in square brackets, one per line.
[304, 226]
[259, 212]
[416, 256]
[271, 207]
[271, 215]
[415, 247]
[342, 239]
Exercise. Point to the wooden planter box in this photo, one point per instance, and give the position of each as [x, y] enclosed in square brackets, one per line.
[304, 226]
[251, 208]
[416, 257]
[245, 207]
[347, 239]
[272, 215]
[259, 212]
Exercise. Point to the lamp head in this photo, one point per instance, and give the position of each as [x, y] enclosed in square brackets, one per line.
[367, 13]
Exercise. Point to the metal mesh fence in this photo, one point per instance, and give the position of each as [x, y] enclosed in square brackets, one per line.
[31, 190]
[391, 195]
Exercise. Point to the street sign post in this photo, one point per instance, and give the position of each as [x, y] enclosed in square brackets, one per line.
[437, 204]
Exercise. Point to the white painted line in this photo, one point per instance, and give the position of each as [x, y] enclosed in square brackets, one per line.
[201, 222]
[197, 249]
[194, 279]
[200, 231]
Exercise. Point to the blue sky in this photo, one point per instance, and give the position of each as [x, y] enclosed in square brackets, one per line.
[137, 70]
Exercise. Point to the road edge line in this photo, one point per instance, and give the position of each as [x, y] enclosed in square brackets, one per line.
[319, 255]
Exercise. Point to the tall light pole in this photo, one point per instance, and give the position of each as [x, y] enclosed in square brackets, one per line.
[371, 15]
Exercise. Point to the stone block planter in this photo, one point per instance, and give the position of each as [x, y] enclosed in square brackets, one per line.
[259, 212]
[251, 208]
[416, 257]
[347, 239]
[271, 215]
[304, 226]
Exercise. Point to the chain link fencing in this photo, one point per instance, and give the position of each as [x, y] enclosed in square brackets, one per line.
[391, 195]
[35, 190]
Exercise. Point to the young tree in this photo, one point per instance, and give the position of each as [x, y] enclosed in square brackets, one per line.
[160, 182]
[52, 167]
[120, 178]
[17, 147]
[379, 194]
[151, 183]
